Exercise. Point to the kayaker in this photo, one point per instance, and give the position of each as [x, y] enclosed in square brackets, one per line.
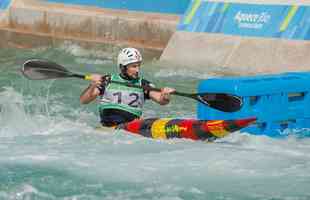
[119, 103]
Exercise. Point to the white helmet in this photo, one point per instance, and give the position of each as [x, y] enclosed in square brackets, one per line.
[127, 56]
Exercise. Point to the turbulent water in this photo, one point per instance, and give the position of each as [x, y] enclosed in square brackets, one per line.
[49, 148]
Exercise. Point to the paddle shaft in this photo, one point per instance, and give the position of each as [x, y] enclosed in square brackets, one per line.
[38, 69]
[86, 77]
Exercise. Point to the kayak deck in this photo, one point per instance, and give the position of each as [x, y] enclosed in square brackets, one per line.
[165, 128]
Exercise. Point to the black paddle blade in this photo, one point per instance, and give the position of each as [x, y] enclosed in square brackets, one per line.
[37, 69]
[222, 102]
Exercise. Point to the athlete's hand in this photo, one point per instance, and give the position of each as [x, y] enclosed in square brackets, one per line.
[165, 93]
[96, 79]
[167, 90]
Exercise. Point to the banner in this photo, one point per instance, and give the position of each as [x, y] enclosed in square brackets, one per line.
[4, 4]
[159, 6]
[276, 21]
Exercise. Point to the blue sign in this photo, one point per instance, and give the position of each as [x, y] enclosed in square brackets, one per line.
[159, 6]
[4, 4]
[277, 21]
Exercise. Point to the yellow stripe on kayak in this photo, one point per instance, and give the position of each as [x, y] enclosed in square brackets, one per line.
[158, 129]
[217, 128]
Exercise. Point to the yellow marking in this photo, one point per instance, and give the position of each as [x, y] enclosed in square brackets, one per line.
[225, 7]
[215, 122]
[87, 77]
[288, 18]
[217, 128]
[191, 14]
[158, 129]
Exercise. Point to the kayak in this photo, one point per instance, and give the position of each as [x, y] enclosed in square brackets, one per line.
[165, 128]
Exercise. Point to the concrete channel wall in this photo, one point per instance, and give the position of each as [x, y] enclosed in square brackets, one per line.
[210, 36]
[34, 23]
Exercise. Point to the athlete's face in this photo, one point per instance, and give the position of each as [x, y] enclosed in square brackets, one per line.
[133, 70]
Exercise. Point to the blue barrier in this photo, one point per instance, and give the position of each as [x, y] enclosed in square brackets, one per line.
[280, 102]
[159, 6]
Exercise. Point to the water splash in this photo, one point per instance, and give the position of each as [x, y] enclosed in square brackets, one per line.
[29, 115]
[184, 73]
[12, 112]
[50, 150]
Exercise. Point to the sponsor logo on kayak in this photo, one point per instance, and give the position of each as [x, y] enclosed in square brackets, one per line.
[252, 20]
[174, 129]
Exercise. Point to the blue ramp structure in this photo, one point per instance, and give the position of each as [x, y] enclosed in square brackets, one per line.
[280, 102]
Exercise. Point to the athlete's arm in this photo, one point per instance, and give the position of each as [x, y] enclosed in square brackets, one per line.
[92, 91]
[162, 97]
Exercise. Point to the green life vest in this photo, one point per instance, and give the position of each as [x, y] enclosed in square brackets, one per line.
[117, 96]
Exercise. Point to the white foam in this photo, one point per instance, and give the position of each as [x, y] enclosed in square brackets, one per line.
[93, 61]
[183, 73]
[78, 51]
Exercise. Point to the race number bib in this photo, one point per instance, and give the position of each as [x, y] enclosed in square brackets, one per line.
[130, 98]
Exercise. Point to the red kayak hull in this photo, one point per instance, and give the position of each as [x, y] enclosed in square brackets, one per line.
[161, 128]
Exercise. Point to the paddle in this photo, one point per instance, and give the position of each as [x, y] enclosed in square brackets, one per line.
[37, 69]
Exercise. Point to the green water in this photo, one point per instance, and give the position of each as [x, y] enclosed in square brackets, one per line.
[50, 150]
